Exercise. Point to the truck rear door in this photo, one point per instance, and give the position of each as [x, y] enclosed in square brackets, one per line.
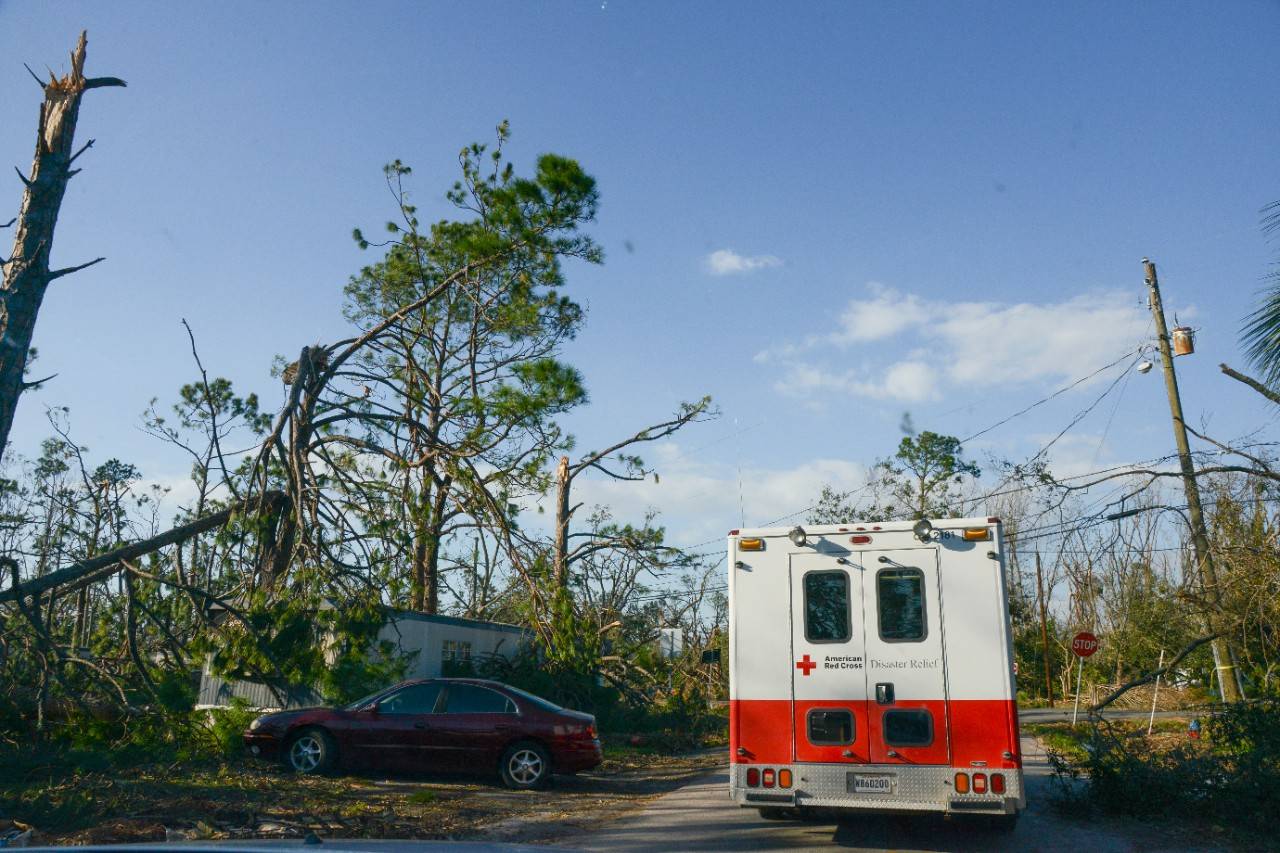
[828, 675]
[905, 673]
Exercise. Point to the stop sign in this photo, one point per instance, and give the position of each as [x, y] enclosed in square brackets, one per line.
[1084, 644]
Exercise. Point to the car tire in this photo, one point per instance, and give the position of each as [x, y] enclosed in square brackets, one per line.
[525, 766]
[311, 752]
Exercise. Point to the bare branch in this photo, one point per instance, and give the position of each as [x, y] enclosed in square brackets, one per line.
[56, 274]
[34, 76]
[83, 149]
[1251, 382]
[100, 82]
[27, 386]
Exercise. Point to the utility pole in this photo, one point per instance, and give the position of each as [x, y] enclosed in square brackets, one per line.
[1223, 660]
[1044, 630]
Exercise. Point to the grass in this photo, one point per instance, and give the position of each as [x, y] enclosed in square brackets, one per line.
[89, 802]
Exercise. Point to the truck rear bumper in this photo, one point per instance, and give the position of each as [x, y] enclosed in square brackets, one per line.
[910, 789]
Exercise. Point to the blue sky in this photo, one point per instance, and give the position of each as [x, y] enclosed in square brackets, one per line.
[823, 216]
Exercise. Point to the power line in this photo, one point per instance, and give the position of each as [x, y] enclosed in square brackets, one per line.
[1044, 400]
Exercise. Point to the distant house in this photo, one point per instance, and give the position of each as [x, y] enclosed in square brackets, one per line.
[444, 645]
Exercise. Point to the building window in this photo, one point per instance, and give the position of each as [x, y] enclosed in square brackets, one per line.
[908, 727]
[455, 658]
[830, 727]
[826, 607]
[900, 593]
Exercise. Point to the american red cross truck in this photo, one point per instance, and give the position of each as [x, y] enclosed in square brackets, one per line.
[871, 670]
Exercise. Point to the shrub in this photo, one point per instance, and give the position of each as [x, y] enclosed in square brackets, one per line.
[1234, 770]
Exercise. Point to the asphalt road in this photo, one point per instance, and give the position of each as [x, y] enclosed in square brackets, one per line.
[700, 816]
[1063, 712]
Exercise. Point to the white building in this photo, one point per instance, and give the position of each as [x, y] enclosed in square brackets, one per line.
[436, 646]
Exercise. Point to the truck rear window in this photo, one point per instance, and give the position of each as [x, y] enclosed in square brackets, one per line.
[826, 607]
[900, 594]
[830, 727]
[908, 727]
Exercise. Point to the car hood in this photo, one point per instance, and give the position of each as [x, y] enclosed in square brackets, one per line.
[279, 718]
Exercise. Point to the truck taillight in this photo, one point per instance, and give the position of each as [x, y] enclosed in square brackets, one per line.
[997, 783]
[753, 777]
[784, 778]
[768, 778]
[962, 783]
[979, 783]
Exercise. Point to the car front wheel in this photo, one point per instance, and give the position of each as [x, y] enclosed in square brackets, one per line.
[525, 765]
[311, 751]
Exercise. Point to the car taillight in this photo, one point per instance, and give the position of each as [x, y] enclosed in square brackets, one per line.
[784, 778]
[768, 778]
[979, 783]
[753, 777]
[962, 783]
[997, 783]
[591, 731]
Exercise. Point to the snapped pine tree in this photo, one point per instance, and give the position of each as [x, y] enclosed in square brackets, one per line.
[26, 271]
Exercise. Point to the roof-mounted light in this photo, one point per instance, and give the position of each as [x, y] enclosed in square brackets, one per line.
[923, 530]
[798, 536]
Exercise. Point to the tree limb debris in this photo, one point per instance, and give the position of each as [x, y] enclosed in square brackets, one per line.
[109, 562]
[1154, 674]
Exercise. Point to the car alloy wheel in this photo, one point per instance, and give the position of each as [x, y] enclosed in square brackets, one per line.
[306, 753]
[526, 766]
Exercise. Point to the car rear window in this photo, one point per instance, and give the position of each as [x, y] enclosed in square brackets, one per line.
[473, 699]
[414, 699]
[544, 704]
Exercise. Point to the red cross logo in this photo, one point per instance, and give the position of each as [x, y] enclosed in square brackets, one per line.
[806, 665]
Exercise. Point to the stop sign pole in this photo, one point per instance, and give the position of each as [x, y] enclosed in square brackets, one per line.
[1083, 645]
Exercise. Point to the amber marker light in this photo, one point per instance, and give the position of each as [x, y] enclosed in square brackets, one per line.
[750, 544]
[977, 534]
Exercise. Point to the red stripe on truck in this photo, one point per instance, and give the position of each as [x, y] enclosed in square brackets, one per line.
[980, 730]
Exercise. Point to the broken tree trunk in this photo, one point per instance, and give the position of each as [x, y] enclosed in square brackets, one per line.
[106, 564]
[26, 272]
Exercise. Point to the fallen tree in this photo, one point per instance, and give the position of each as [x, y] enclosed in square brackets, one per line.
[106, 564]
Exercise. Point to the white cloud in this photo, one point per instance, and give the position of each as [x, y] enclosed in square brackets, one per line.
[882, 317]
[910, 381]
[967, 343]
[729, 262]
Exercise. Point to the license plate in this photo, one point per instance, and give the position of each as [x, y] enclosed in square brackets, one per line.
[862, 783]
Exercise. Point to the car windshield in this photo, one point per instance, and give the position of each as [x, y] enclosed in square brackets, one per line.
[536, 700]
[364, 700]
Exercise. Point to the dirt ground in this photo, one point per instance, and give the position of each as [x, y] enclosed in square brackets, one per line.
[257, 800]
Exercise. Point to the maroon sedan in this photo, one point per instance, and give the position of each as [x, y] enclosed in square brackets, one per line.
[435, 724]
